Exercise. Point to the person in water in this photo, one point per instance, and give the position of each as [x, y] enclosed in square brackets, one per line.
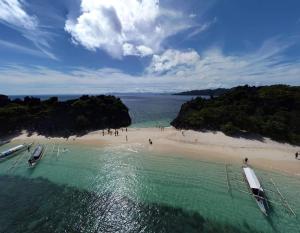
[150, 141]
[246, 160]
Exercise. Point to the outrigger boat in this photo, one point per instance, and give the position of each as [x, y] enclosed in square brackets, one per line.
[12, 151]
[256, 189]
[36, 156]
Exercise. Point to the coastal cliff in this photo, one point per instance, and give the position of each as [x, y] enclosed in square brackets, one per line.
[271, 111]
[62, 118]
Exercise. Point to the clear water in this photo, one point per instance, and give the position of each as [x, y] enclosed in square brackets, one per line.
[113, 189]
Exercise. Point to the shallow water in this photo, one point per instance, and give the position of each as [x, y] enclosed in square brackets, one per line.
[125, 189]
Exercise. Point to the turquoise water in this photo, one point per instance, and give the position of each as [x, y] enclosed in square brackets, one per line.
[113, 189]
[126, 188]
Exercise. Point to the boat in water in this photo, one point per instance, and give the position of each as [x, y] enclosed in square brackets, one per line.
[36, 156]
[256, 189]
[13, 151]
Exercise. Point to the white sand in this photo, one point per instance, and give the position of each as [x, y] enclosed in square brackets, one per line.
[266, 154]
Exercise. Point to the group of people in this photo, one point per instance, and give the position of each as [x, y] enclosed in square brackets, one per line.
[161, 128]
[111, 132]
[150, 141]
[115, 132]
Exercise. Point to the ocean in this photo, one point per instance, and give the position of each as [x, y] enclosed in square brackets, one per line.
[81, 188]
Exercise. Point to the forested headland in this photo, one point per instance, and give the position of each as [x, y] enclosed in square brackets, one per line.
[271, 111]
[52, 117]
[204, 92]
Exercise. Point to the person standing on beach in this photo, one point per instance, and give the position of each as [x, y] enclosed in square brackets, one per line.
[296, 155]
[126, 138]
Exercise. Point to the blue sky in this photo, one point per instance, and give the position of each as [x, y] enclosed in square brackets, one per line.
[100, 46]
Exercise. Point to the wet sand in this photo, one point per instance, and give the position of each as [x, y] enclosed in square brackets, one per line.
[212, 146]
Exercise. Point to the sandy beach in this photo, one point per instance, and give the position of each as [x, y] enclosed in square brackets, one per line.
[212, 146]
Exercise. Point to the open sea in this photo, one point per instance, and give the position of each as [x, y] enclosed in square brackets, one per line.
[80, 188]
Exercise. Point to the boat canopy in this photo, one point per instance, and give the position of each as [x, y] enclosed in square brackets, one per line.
[37, 151]
[252, 179]
[11, 150]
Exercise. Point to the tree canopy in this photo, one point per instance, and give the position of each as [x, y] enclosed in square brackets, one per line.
[54, 118]
[272, 111]
[204, 92]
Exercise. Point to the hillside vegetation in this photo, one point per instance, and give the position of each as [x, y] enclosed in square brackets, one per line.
[205, 92]
[272, 111]
[54, 118]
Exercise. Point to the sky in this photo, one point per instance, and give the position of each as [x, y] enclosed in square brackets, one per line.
[101, 46]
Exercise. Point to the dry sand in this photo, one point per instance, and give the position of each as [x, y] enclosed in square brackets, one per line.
[265, 154]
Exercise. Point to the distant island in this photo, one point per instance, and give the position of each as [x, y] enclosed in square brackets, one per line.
[52, 117]
[205, 92]
[272, 111]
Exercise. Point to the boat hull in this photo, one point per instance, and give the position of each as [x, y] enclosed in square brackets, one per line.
[260, 200]
[262, 206]
[33, 161]
[15, 153]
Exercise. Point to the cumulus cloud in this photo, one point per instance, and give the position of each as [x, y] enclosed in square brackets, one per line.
[122, 28]
[213, 68]
[173, 59]
[141, 50]
[14, 15]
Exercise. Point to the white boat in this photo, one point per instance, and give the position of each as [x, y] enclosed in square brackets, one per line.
[256, 189]
[12, 151]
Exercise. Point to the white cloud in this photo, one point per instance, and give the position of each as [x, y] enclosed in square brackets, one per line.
[12, 12]
[121, 28]
[14, 15]
[169, 72]
[20, 48]
[171, 59]
[141, 50]
[201, 28]
[266, 65]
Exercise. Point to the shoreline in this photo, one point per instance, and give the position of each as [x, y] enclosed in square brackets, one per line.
[208, 146]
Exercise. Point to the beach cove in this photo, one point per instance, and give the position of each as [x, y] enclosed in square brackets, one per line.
[185, 181]
[209, 146]
[181, 175]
